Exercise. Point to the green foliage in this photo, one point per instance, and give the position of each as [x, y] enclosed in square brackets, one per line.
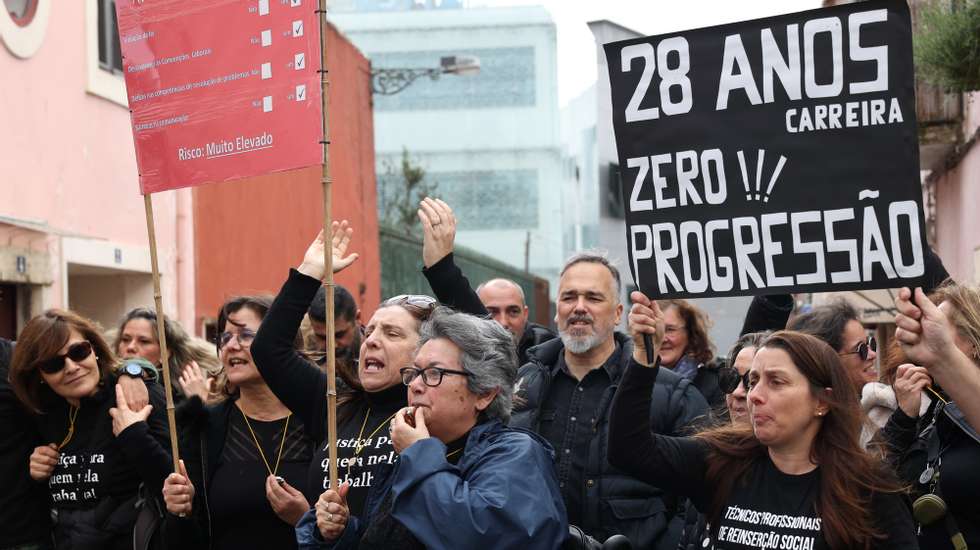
[947, 44]
[401, 187]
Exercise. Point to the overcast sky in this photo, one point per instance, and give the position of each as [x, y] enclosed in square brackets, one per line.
[576, 47]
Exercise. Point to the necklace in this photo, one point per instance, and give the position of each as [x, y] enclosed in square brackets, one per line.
[454, 453]
[282, 445]
[72, 415]
[358, 447]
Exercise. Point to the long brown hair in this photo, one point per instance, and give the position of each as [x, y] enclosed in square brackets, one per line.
[849, 476]
[42, 338]
[697, 324]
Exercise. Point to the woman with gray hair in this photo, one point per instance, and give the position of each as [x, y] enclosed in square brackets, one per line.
[463, 477]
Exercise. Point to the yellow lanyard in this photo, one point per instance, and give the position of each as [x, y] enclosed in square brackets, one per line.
[358, 447]
[282, 445]
[72, 415]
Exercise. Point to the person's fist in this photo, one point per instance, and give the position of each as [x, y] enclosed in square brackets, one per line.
[178, 493]
[332, 513]
[645, 318]
[910, 380]
[43, 461]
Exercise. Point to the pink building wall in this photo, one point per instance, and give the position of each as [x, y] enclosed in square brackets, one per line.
[958, 205]
[68, 162]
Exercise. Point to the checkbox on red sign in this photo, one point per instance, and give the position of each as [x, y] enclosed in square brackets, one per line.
[267, 104]
[297, 29]
[263, 7]
[299, 61]
[266, 38]
[301, 92]
[266, 71]
[295, 3]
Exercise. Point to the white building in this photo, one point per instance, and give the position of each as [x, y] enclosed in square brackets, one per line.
[489, 141]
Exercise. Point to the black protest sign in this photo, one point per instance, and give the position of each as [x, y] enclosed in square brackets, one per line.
[774, 155]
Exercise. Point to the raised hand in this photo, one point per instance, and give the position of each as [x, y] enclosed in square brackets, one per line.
[403, 434]
[332, 512]
[313, 260]
[438, 230]
[645, 318]
[43, 461]
[135, 388]
[910, 380]
[922, 330]
[178, 493]
[288, 503]
[194, 382]
[123, 416]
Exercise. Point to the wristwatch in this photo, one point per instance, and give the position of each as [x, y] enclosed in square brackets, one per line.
[138, 368]
[132, 368]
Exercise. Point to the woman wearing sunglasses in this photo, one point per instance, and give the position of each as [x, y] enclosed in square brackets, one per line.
[97, 452]
[464, 479]
[794, 477]
[245, 457]
[937, 452]
[365, 411]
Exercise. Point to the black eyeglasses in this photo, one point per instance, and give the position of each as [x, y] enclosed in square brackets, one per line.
[431, 376]
[245, 337]
[77, 352]
[729, 379]
[863, 347]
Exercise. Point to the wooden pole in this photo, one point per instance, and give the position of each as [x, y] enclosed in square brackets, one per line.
[327, 182]
[161, 334]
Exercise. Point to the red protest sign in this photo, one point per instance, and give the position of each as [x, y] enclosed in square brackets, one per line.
[221, 90]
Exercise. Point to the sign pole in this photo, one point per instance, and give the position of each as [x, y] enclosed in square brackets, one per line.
[161, 334]
[327, 182]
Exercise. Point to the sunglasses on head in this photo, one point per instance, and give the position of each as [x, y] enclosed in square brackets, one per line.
[77, 352]
[863, 348]
[420, 305]
[729, 379]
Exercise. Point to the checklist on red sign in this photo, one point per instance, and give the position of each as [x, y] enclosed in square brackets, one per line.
[221, 90]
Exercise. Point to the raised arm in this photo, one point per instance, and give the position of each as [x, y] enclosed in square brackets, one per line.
[767, 313]
[926, 337]
[297, 382]
[675, 464]
[448, 283]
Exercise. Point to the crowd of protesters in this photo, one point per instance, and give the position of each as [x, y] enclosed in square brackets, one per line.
[462, 424]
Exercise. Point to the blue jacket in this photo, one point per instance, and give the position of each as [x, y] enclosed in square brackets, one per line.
[504, 490]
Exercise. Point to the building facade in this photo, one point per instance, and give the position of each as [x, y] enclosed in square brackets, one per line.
[488, 142]
[73, 232]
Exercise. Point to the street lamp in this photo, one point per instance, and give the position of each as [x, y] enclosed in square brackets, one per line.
[392, 81]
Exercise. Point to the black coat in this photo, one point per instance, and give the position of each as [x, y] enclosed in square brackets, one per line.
[453, 289]
[617, 503]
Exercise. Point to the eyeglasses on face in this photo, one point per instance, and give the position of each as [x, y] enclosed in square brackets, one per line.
[729, 379]
[431, 376]
[862, 349]
[77, 352]
[672, 330]
[244, 336]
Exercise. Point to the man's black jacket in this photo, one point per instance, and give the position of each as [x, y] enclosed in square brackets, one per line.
[616, 503]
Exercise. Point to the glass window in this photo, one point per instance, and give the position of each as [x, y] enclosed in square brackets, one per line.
[110, 53]
[21, 11]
